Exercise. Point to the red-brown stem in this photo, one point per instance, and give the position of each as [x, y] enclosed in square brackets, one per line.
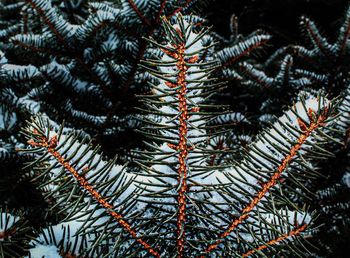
[314, 37]
[67, 255]
[48, 23]
[25, 22]
[294, 232]
[35, 49]
[7, 233]
[182, 147]
[50, 146]
[161, 10]
[272, 182]
[219, 146]
[246, 52]
[139, 13]
[343, 44]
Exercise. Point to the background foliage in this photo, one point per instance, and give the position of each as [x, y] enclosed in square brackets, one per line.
[93, 67]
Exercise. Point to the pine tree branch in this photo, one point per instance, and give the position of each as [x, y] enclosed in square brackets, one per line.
[35, 49]
[50, 146]
[48, 23]
[133, 70]
[315, 37]
[242, 54]
[307, 131]
[182, 147]
[139, 13]
[61, 39]
[292, 233]
[179, 9]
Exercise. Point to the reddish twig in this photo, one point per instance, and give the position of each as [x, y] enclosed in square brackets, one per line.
[182, 146]
[7, 233]
[50, 145]
[219, 146]
[61, 39]
[315, 38]
[244, 53]
[48, 23]
[307, 131]
[292, 233]
[139, 13]
[179, 55]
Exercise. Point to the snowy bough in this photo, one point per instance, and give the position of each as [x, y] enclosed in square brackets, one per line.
[177, 202]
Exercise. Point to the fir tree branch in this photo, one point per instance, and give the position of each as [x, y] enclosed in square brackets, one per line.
[48, 23]
[315, 36]
[139, 13]
[246, 51]
[61, 39]
[50, 146]
[266, 187]
[35, 49]
[179, 9]
[182, 147]
[292, 233]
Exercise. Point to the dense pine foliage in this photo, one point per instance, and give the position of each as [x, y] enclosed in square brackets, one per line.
[132, 128]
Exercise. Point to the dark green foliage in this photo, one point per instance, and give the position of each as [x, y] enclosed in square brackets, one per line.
[177, 141]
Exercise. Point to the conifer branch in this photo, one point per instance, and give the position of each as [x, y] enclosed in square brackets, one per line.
[61, 39]
[35, 49]
[179, 9]
[244, 53]
[139, 13]
[315, 37]
[292, 233]
[48, 22]
[50, 145]
[307, 130]
[182, 147]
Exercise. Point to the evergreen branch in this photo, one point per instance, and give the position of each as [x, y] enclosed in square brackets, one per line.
[179, 9]
[161, 10]
[344, 34]
[182, 147]
[307, 130]
[292, 233]
[50, 146]
[35, 49]
[61, 39]
[48, 22]
[320, 42]
[139, 13]
[241, 49]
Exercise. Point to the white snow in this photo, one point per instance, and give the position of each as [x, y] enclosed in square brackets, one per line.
[46, 251]
[346, 179]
